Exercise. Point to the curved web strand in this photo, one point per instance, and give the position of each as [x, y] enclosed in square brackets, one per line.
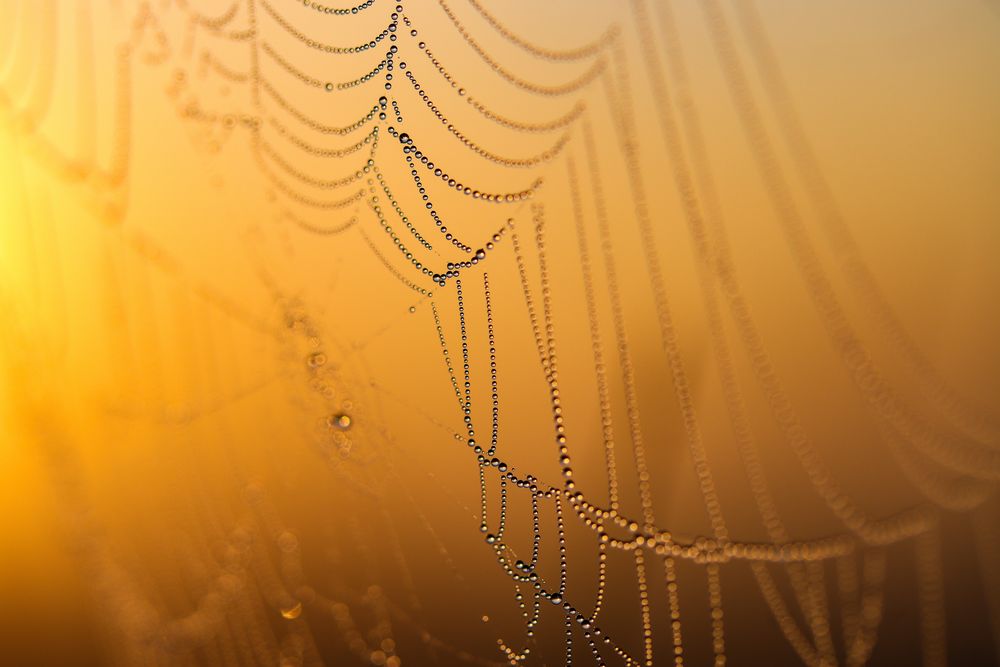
[576, 53]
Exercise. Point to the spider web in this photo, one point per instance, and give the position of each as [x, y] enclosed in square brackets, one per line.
[273, 240]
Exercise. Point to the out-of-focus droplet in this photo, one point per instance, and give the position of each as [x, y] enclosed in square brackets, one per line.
[342, 421]
[292, 612]
[288, 542]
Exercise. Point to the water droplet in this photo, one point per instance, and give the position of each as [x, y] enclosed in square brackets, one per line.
[292, 612]
[342, 421]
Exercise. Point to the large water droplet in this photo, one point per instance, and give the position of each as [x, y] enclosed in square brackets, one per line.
[341, 421]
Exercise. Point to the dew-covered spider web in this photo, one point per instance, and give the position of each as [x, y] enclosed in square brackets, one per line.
[476, 332]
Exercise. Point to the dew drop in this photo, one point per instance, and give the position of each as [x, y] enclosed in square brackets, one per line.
[341, 421]
[292, 612]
